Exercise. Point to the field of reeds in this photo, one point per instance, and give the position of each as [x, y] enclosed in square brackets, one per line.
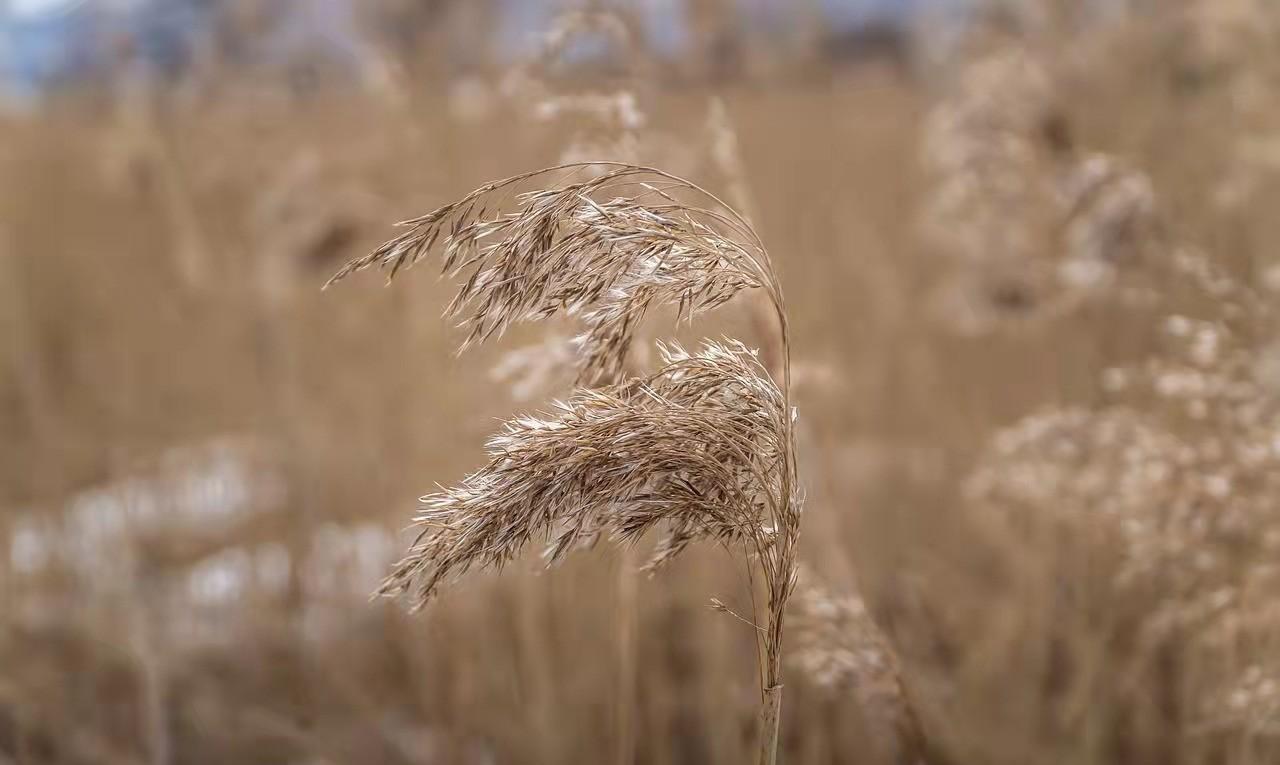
[1030, 272]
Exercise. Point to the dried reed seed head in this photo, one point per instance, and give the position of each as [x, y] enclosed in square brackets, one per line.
[991, 212]
[1250, 702]
[726, 156]
[701, 448]
[1185, 463]
[704, 448]
[1109, 220]
[577, 24]
[1191, 509]
[1034, 227]
[606, 250]
[532, 84]
[839, 646]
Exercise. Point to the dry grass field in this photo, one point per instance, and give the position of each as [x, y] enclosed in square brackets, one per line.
[1031, 280]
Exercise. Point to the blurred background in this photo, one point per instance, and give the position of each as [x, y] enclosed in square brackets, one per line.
[1030, 254]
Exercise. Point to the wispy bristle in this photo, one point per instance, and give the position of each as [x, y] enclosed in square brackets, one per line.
[698, 448]
[606, 249]
[704, 448]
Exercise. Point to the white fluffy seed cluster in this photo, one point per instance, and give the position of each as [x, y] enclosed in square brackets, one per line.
[838, 645]
[1186, 462]
[1249, 701]
[979, 146]
[1028, 227]
[1181, 467]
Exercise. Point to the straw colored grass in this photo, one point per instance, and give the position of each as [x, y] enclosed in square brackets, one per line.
[702, 449]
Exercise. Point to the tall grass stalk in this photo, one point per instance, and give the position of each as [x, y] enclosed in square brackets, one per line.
[703, 448]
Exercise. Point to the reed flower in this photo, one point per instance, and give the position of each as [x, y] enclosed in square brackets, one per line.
[701, 449]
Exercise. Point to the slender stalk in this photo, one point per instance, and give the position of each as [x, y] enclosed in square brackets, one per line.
[770, 719]
[704, 448]
[783, 578]
[627, 660]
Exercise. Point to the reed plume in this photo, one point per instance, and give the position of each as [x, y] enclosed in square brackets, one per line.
[701, 449]
[841, 648]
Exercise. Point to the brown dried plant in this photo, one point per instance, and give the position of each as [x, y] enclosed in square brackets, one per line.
[839, 646]
[1178, 465]
[703, 448]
